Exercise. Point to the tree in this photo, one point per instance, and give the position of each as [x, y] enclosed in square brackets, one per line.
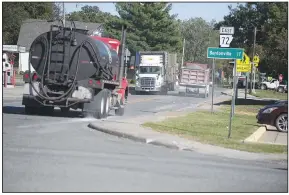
[57, 11]
[15, 13]
[271, 21]
[199, 35]
[150, 26]
[94, 15]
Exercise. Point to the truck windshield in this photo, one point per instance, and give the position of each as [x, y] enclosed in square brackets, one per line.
[150, 69]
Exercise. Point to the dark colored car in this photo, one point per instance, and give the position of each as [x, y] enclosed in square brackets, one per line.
[275, 115]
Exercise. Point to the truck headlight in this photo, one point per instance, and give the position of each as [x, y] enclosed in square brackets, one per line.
[269, 110]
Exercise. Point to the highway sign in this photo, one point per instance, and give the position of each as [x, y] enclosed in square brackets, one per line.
[227, 30]
[225, 53]
[225, 40]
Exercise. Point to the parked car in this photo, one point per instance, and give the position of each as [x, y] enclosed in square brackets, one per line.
[273, 85]
[275, 115]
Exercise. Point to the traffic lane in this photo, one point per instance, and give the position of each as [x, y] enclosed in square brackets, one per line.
[51, 147]
[138, 105]
[71, 157]
[151, 104]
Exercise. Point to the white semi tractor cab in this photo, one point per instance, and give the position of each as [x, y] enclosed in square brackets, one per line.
[156, 72]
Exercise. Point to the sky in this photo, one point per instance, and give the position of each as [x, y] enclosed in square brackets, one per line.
[207, 11]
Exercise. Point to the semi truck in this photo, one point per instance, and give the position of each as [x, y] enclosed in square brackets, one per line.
[156, 72]
[74, 70]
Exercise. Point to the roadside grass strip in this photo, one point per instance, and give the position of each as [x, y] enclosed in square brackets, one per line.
[204, 127]
[271, 94]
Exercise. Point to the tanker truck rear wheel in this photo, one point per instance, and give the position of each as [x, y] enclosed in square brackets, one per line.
[64, 109]
[30, 110]
[97, 108]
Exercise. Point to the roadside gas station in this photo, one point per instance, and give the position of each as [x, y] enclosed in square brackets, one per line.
[8, 61]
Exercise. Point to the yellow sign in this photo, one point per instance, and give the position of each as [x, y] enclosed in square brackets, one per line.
[244, 64]
[243, 68]
[256, 59]
[246, 59]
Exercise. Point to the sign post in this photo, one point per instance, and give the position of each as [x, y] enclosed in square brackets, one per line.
[227, 53]
[213, 84]
[226, 37]
[256, 61]
[233, 101]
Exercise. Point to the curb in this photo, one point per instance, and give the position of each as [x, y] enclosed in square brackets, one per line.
[256, 135]
[142, 139]
[134, 138]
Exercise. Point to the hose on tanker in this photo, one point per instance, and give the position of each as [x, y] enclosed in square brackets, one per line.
[46, 97]
[103, 69]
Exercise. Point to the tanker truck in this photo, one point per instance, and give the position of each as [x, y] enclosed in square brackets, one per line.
[74, 70]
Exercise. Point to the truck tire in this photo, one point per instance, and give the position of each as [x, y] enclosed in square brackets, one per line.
[34, 110]
[64, 109]
[96, 108]
[46, 110]
[107, 104]
[280, 89]
[120, 110]
[30, 110]
[164, 90]
[263, 87]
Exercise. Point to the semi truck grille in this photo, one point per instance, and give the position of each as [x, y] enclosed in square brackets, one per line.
[147, 81]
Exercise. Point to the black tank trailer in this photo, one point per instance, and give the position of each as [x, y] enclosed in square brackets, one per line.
[74, 71]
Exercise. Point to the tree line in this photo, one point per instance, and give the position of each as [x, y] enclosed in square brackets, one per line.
[152, 27]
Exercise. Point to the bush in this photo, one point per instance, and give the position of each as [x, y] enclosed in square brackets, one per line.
[132, 81]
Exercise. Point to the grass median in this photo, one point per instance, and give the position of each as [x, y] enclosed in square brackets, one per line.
[271, 94]
[212, 129]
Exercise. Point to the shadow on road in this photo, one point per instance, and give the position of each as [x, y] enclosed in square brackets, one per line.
[56, 113]
[248, 102]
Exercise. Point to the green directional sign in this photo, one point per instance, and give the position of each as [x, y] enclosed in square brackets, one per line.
[225, 53]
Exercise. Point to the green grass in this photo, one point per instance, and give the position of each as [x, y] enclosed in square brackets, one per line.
[271, 94]
[212, 129]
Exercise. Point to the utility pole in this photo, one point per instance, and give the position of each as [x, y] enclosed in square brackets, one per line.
[252, 63]
[184, 43]
[63, 14]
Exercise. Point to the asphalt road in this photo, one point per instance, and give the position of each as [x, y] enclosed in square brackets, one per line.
[61, 154]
